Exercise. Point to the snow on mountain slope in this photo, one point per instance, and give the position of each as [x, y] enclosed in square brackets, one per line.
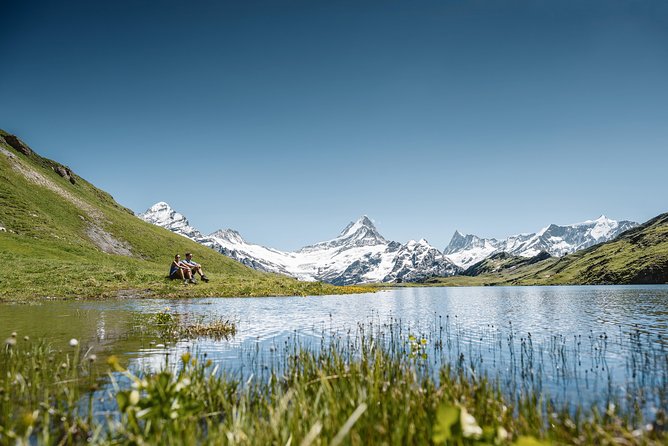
[358, 255]
[161, 214]
[361, 255]
[466, 250]
[557, 240]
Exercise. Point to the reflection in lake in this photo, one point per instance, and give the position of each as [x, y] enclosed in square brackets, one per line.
[577, 344]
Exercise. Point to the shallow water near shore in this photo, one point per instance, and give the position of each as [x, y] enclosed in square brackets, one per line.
[579, 345]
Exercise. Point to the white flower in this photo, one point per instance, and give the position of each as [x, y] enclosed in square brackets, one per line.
[470, 428]
[134, 397]
[73, 342]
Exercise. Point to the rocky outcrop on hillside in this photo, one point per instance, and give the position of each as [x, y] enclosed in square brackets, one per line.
[17, 144]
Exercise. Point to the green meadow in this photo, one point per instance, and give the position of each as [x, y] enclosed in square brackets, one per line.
[54, 231]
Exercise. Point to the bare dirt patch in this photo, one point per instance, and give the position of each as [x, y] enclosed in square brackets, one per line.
[95, 232]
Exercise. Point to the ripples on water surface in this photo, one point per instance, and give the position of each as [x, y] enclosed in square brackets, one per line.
[578, 344]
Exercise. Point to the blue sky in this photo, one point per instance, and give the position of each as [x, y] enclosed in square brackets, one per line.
[286, 120]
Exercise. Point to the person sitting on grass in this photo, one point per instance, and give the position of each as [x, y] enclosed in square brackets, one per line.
[181, 271]
[195, 267]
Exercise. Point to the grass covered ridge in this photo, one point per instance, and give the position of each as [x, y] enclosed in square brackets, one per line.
[68, 239]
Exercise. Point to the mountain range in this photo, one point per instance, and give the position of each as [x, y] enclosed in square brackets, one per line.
[360, 254]
[466, 250]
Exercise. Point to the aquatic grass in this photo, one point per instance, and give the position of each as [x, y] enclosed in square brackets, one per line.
[371, 384]
[169, 325]
[41, 389]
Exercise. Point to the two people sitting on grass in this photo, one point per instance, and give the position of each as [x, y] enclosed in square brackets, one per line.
[194, 267]
[185, 269]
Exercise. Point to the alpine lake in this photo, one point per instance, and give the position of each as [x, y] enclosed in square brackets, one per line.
[575, 346]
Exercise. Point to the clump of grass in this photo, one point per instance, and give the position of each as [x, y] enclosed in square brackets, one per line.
[169, 325]
[358, 390]
[218, 329]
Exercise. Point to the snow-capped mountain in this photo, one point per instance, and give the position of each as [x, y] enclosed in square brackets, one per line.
[358, 255]
[161, 214]
[466, 250]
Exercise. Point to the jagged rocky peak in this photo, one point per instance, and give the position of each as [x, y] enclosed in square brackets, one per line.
[361, 232]
[162, 214]
[461, 242]
[557, 240]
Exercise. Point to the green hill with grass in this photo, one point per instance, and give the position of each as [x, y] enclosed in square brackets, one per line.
[503, 261]
[637, 256]
[62, 237]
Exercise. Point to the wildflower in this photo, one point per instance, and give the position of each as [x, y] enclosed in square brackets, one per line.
[113, 361]
[611, 409]
[92, 358]
[501, 434]
[26, 338]
[13, 334]
[470, 428]
[73, 342]
[134, 397]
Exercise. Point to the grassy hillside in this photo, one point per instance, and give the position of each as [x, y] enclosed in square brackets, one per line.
[62, 237]
[637, 256]
[503, 261]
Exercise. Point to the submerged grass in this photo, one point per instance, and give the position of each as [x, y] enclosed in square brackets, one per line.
[371, 387]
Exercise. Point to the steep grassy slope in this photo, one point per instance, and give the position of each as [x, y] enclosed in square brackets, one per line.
[637, 256]
[62, 237]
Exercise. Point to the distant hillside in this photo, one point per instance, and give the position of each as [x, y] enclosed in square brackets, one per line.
[503, 261]
[62, 237]
[637, 256]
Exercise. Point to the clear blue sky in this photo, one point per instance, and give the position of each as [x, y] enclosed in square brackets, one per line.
[287, 119]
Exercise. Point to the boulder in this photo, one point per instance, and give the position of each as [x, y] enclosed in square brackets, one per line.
[65, 173]
[18, 145]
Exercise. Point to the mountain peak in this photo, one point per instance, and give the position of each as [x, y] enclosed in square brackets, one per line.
[162, 214]
[366, 221]
[363, 222]
[159, 206]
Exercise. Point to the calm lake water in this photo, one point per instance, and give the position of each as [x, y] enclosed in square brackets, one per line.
[576, 344]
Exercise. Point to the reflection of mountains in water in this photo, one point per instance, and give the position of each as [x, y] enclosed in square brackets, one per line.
[480, 323]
